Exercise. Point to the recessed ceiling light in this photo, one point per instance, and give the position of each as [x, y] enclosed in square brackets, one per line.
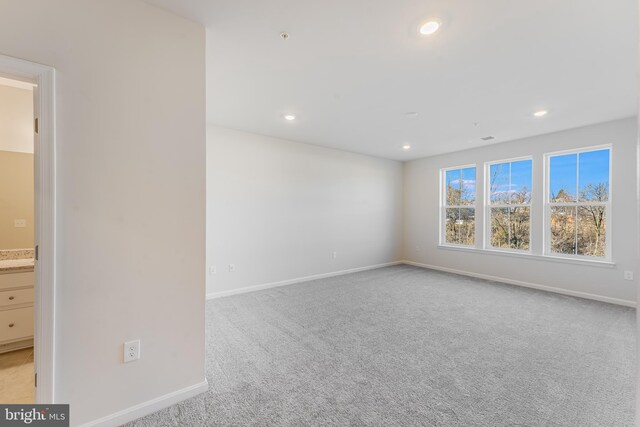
[290, 117]
[406, 147]
[429, 27]
[540, 113]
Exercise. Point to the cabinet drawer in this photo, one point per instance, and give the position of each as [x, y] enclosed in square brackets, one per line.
[16, 297]
[17, 280]
[16, 324]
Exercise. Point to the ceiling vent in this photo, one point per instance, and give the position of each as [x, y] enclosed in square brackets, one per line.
[487, 138]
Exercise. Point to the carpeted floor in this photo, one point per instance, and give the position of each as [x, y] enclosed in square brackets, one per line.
[405, 346]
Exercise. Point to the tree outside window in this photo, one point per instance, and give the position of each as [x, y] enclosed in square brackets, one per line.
[578, 203]
[509, 207]
[459, 206]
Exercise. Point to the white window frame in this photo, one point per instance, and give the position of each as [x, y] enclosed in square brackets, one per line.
[443, 207]
[548, 205]
[488, 206]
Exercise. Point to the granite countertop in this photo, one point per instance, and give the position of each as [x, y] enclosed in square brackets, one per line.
[16, 260]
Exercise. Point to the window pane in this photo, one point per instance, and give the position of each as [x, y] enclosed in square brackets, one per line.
[500, 227]
[591, 230]
[563, 230]
[520, 185]
[468, 184]
[460, 190]
[452, 217]
[499, 183]
[519, 223]
[562, 178]
[594, 176]
[467, 227]
[453, 183]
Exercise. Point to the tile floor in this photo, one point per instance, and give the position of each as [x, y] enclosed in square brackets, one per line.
[16, 377]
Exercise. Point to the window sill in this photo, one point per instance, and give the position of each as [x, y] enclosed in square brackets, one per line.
[527, 255]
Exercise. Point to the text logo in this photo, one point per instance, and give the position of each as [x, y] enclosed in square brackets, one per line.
[34, 415]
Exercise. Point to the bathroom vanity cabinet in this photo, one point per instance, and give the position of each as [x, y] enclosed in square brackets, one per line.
[16, 310]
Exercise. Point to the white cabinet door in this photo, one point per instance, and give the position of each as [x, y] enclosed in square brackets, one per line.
[16, 324]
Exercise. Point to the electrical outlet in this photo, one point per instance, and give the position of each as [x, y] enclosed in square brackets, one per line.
[628, 275]
[232, 268]
[213, 270]
[19, 223]
[334, 255]
[131, 351]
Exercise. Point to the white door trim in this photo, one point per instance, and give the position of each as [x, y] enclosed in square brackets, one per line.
[45, 207]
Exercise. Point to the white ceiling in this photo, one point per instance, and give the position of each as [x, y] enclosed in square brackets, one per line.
[352, 69]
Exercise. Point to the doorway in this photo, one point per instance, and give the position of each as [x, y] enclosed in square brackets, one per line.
[28, 285]
[17, 247]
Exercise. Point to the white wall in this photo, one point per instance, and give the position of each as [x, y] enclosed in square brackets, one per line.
[421, 179]
[130, 99]
[16, 119]
[637, 281]
[16, 199]
[277, 209]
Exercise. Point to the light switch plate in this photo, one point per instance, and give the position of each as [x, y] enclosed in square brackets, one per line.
[19, 223]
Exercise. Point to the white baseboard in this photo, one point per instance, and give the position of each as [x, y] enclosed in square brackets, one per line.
[149, 407]
[526, 284]
[213, 295]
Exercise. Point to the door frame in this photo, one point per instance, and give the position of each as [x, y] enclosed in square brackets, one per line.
[44, 225]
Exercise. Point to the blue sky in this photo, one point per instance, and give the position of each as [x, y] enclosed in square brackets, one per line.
[508, 178]
[466, 177]
[594, 169]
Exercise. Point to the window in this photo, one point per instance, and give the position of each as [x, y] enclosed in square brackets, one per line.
[578, 203]
[509, 204]
[458, 206]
